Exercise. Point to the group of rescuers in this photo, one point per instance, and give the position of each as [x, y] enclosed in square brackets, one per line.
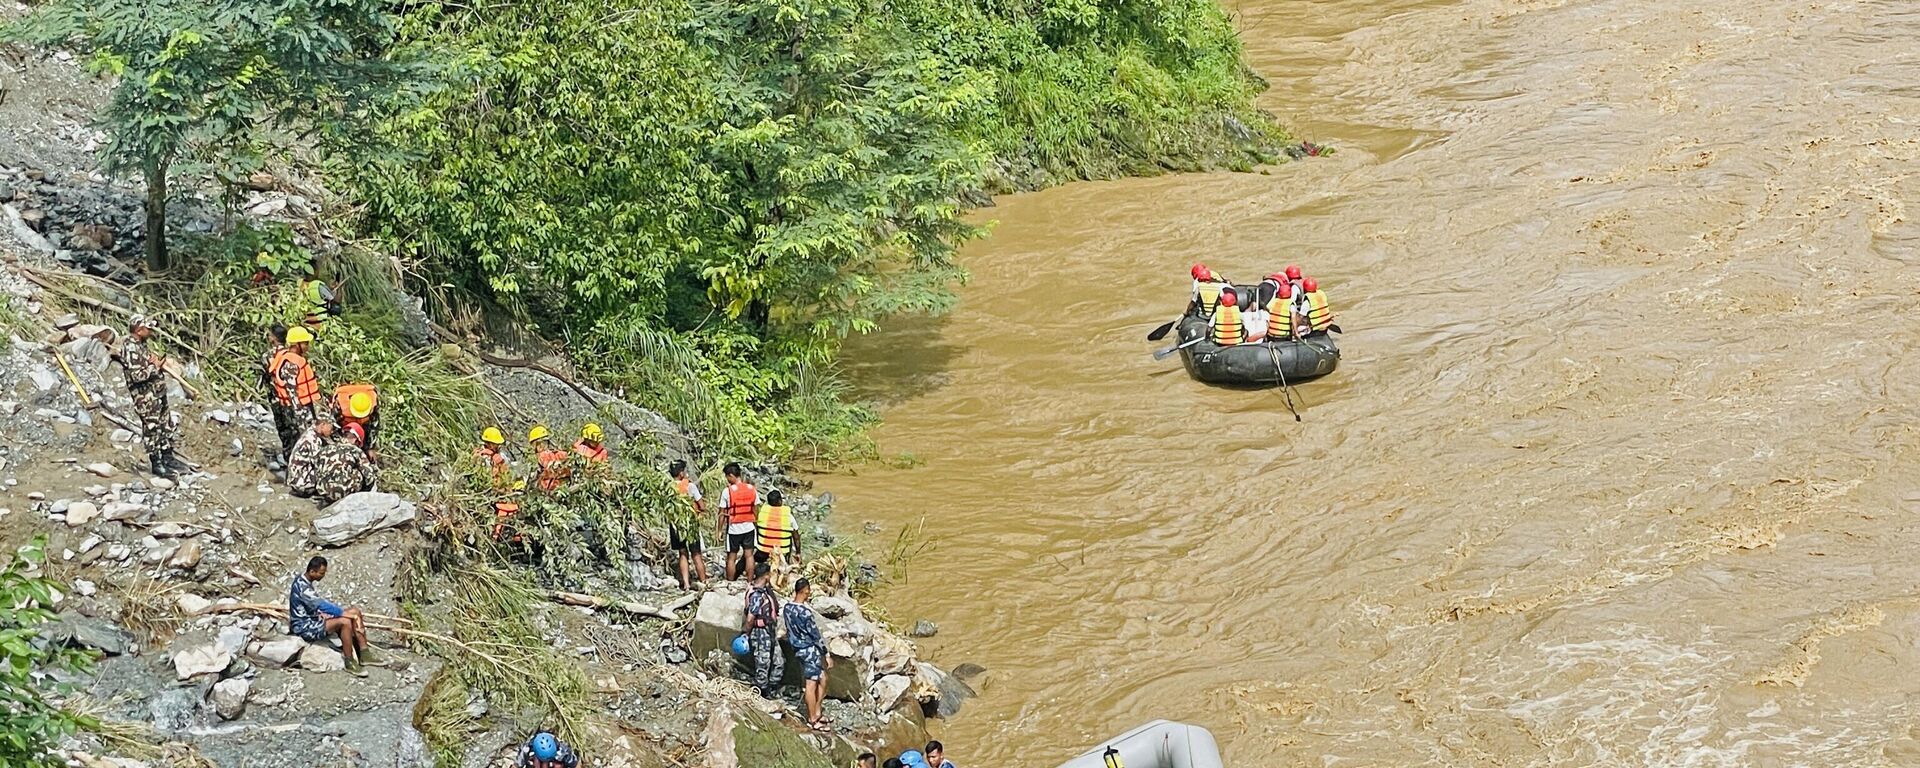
[1285, 306]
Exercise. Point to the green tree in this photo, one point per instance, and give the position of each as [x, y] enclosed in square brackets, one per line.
[30, 724]
[209, 86]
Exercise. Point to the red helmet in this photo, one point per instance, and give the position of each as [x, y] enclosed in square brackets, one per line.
[1227, 298]
[1277, 277]
[1293, 271]
[1309, 285]
[1200, 271]
[1286, 289]
[358, 432]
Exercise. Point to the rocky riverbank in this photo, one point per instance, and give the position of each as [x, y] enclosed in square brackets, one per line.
[180, 585]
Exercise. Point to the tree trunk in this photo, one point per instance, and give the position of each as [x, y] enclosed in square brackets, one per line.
[157, 259]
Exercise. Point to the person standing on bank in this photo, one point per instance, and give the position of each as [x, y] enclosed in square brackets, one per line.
[147, 385]
[762, 623]
[739, 505]
[803, 634]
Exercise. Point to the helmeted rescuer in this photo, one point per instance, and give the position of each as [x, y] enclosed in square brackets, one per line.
[295, 389]
[554, 469]
[147, 385]
[1281, 319]
[492, 453]
[1319, 313]
[545, 750]
[592, 445]
[1228, 329]
[358, 404]
[1206, 290]
[1293, 273]
[320, 301]
[777, 532]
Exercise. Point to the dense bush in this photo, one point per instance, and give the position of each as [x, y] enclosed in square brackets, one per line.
[706, 196]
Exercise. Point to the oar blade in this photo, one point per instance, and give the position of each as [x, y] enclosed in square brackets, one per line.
[1162, 331]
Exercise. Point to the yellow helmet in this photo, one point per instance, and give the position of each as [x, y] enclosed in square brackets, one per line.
[360, 405]
[297, 334]
[492, 436]
[592, 432]
[539, 432]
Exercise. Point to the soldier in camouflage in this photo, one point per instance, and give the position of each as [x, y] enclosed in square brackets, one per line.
[327, 467]
[147, 384]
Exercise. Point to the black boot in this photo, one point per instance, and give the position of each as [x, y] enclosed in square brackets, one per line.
[177, 464]
[162, 464]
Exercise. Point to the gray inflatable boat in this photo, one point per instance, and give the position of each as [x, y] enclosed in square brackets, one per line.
[1259, 364]
[1158, 744]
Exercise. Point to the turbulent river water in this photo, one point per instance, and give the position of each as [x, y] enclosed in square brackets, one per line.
[1620, 465]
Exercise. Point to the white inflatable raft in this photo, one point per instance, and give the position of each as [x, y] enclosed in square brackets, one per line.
[1158, 744]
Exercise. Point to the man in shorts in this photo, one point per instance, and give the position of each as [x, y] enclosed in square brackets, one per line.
[739, 507]
[684, 536]
[312, 618]
[803, 635]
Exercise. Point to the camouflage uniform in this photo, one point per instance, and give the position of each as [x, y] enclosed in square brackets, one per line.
[293, 420]
[327, 469]
[280, 427]
[147, 384]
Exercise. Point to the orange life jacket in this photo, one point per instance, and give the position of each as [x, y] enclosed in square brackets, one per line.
[591, 453]
[741, 498]
[1279, 319]
[1319, 314]
[553, 468]
[306, 387]
[1227, 328]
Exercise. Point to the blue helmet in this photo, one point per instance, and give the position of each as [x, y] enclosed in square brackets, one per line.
[740, 647]
[545, 746]
[912, 757]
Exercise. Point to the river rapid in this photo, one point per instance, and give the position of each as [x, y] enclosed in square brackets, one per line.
[1619, 467]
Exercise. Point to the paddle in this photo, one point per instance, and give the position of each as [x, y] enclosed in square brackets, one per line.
[1161, 332]
[1162, 354]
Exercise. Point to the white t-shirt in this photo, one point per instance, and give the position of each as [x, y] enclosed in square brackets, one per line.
[746, 527]
[1255, 321]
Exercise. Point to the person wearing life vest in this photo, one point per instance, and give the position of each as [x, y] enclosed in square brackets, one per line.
[684, 538]
[359, 405]
[296, 392]
[1282, 321]
[1319, 315]
[777, 533]
[592, 445]
[1207, 287]
[492, 454]
[554, 468]
[1294, 275]
[1253, 316]
[738, 505]
[1228, 327]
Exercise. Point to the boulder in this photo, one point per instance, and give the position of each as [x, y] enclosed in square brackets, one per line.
[230, 697]
[888, 690]
[280, 651]
[835, 607]
[924, 628]
[88, 351]
[82, 632]
[99, 333]
[80, 513]
[233, 639]
[892, 654]
[942, 693]
[322, 660]
[208, 659]
[360, 514]
[717, 620]
[102, 469]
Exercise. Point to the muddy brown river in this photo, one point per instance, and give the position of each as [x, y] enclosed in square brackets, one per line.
[1620, 465]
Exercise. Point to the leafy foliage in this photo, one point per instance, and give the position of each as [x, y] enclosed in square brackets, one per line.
[212, 82]
[706, 196]
[30, 724]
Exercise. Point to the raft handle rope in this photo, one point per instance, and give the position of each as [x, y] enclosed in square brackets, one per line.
[1286, 390]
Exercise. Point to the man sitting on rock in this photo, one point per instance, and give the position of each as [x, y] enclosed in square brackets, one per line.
[326, 468]
[312, 619]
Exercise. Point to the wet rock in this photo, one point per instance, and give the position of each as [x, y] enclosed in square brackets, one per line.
[892, 654]
[279, 651]
[230, 697]
[360, 514]
[943, 693]
[83, 632]
[322, 660]
[187, 556]
[207, 659]
[924, 628]
[103, 469]
[80, 513]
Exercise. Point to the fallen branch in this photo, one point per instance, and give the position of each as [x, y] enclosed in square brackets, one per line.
[630, 606]
[33, 275]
